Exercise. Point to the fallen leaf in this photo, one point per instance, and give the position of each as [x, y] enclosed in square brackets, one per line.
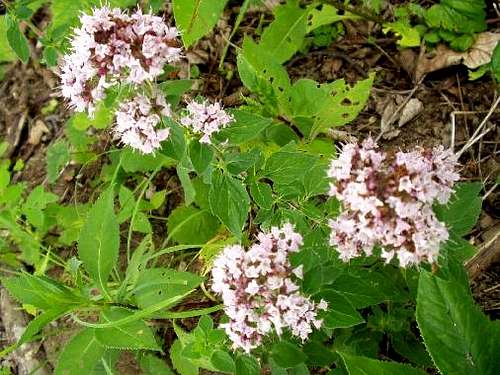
[411, 110]
[479, 54]
[37, 131]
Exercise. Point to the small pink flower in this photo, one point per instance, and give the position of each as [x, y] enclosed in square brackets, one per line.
[258, 290]
[206, 119]
[387, 202]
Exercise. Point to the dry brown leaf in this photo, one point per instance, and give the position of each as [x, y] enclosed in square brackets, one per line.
[442, 57]
[37, 131]
[411, 110]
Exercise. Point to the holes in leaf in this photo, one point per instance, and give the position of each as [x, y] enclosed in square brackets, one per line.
[346, 102]
[281, 89]
[319, 7]
[345, 115]
[271, 80]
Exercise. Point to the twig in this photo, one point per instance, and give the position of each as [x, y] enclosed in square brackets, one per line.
[476, 136]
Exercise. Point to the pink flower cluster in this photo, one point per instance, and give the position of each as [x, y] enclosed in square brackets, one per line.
[205, 118]
[136, 122]
[259, 292]
[112, 46]
[387, 200]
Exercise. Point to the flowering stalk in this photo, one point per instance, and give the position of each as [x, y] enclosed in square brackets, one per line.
[258, 290]
[206, 119]
[387, 200]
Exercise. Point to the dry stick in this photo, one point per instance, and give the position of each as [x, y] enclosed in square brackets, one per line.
[476, 136]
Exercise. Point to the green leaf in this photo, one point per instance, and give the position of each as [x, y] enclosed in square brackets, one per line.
[133, 161]
[187, 185]
[284, 37]
[37, 324]
[460, 214]
[18, 42]
[323, 14]
[182, 364]
[315, 108]
[247, 365]
[50, 56]
[340, 313]
[287, 355]
[262, 75]
[162, 283]
[80, 355]
[410, 36]
[190, 225]
[456, 333]
[229, 201]
[262, 194]
[57, 157]
[459, 16]
[41, 292]
[131, 336]
[495, 62]
[223, 362]
[196, 18]
[6, 53]
[358, 290]
[175, 145]
[99, 240]
[174, 89]
[288, 165]
[318, 355]
[245, 127]
[242, 162]
[152, 365]
[201, 155]
[367, 366]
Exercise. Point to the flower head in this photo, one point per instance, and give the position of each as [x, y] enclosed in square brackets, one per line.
[388, 199]
[206, 119]
[112, 46]
[259, 290]
[136, 122]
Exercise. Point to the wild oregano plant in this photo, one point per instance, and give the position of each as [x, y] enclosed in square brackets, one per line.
[273, 254]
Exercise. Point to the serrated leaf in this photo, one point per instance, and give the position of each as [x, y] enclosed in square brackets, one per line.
[187, 185]
[495, 62]
[99, 240]
[262, 75]
[37, 324]
[196, 18]
[316, 107]
[152, 365]
[229, 201]
[6, 53]
[40, 291]
[367, 366]
[262, 194]
[460, 214]
[131, 336]
[340, 313]
[245, 127]
[182, 364]
[288, 165]
[456, 333]
[57, 157]
[223, 362]
[18, 42]
[247, 365]
[459, 16]
[80, 355]
[161, 284]
[287, 355]
[201, 155]
[284, 37]
[190, 225]
[323, 14]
